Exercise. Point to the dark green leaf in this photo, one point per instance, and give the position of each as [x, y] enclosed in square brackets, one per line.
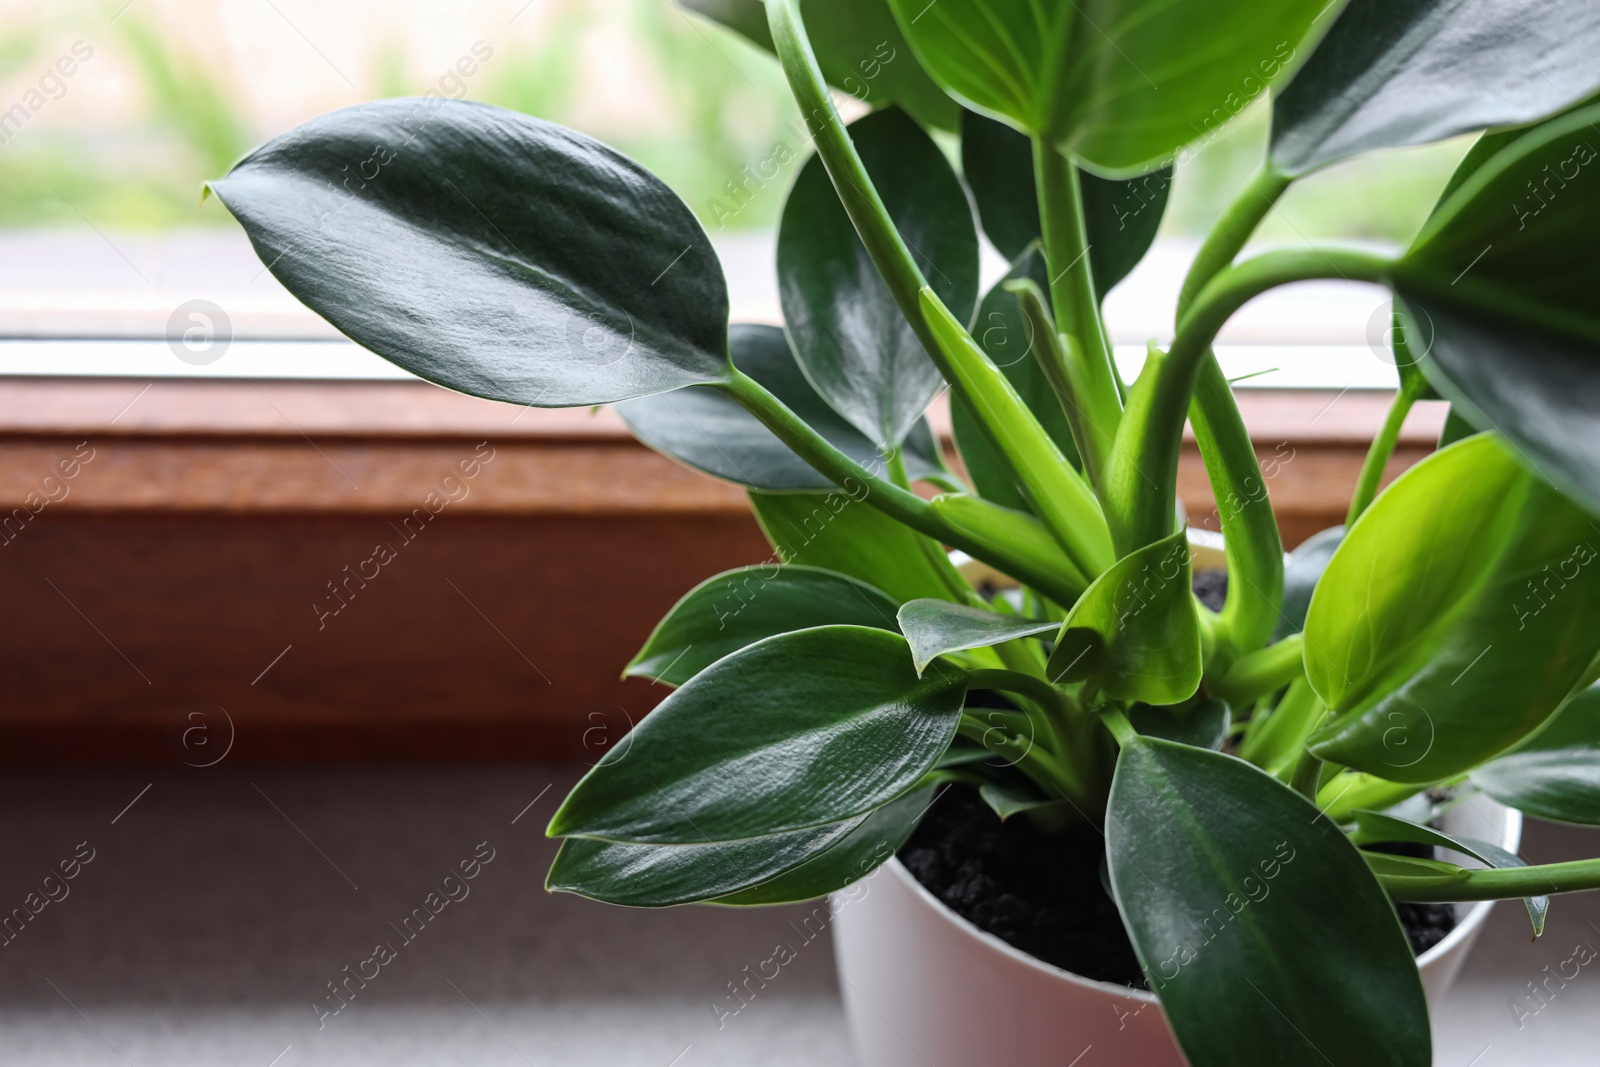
[763, 742]
[1455, 428]
[1006, 801]
[1458, 614]
[1120, 217]
[1300, 576]
[1134, 631]
[1373, 827]
[840, 532]
[848, 333]
[488, 251]
[1404, 72]
[1203, 726]
[858, 47]
[1499, 290]
[1556, 774]
[936, 627]
[658, 876]
[1266, 938]
[1121, 84]
[877, 837]
[708, 430]
[737, 608]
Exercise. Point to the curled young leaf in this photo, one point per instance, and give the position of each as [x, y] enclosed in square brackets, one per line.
[488, 251]
[1134, 632]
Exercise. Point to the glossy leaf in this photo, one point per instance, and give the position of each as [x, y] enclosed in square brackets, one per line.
[1499, 293]
[1392, 73]
[1204, 726]
[1121, 84]
[1007, 801]
[858, 46]
[1120, 217]
[1301, 572]
[1375, 826]
[935, 628]
[840, 532]
[1458, 614]
[1006, 337]
[1556, 774]
[658, 876]
[762, 742]
[873, 841]
[708, 430]
[1134, 632]
[848, 333]
[488, 251]
[1230, 884]
[740, 607]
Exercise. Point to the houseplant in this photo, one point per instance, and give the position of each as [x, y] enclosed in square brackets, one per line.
[1451, 637]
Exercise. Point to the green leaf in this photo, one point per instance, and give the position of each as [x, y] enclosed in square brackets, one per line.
[840, 532]
[858, 47]
[740, 607]
[1121, 84]
[867, 847]
[1556, 774]
[1006, 801]
[1459, 613]
[1301, 573]
[1398, 871]
[708, 430]
[936, 627]
[659, 876]
[1134, 632]
[1498, 291]
[763, 742]
[1255, 920]
[1373, 827]
[848, 333]
[1120, 217]
[1203, 726]
[491, 252]
[1392, 73]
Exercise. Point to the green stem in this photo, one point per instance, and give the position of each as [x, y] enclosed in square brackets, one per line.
[1086, 365]
[1355, 791]
[899, 504]
[1119, 725]
[1035, 689]
[1383, 446]
[1262, 672]
[1272, 739]
[1307, 769]
[1141, 476]
[1228, 236]
[1498, 884]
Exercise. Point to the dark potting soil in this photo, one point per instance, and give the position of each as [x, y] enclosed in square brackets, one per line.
[1211, 588]
[1041, 893]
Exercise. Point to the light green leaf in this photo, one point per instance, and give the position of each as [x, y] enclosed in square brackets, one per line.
[849, 335]
[762, 742]
[937, 627]
[740, 607]
[1229, 883]
[1458, 614]
[1134, 632]
[488, 251]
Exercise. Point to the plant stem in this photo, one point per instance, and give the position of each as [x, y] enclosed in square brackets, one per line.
[1269, 741]
[1263, 672]
[1253, 542]
[1383, 446]
[1355, 790]
[899, 504]
[1119, 725]
[1086, 366]
[1035, 689]
[1498, 884]
[1307, 769]
[1142, 474]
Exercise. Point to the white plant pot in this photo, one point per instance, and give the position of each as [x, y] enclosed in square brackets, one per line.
[923, 987]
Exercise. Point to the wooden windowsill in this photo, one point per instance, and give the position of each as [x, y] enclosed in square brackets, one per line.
[188, 563]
